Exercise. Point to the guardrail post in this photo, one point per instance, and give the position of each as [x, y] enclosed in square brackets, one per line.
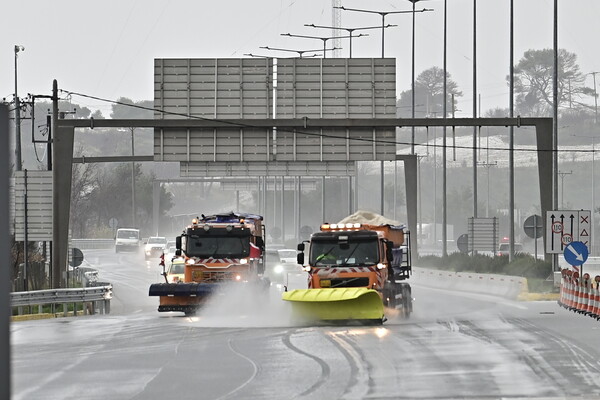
[107, 306]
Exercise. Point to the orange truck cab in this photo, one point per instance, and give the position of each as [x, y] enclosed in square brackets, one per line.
[216, 249]
[355, 255]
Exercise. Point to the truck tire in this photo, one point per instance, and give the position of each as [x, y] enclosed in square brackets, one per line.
[389, 295]
[406, 299]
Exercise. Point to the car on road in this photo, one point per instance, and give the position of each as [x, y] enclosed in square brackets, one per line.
[170, 249]
[176, 271]
[155, 246]
[127, 239]
[504, 249]
[281, 263]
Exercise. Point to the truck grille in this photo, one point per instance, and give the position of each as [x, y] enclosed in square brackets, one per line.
[212, 277]
[350, 282]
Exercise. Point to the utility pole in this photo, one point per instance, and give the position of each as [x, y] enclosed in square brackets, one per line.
[18, 162]
[595, 98]
[132, 181]
[55, 253]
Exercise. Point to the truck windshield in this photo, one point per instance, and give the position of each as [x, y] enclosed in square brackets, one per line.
[218, 247]
[327, 253]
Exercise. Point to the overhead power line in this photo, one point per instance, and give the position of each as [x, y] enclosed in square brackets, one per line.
[240, 125]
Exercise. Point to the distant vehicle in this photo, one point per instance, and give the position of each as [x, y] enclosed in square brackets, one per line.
[127, 239]
[504, 249]
[155, 246]
[285, 261]
[170, 250]
[176, 271]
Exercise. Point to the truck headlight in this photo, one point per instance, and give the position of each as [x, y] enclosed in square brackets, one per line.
[278, 269]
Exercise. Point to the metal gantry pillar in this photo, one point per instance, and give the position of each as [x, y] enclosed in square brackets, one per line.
[4, 259]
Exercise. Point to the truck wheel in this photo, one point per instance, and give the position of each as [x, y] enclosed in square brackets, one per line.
[389, 296]
[406, 301]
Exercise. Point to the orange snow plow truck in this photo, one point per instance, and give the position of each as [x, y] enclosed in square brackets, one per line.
[217, 250]
[355, 270]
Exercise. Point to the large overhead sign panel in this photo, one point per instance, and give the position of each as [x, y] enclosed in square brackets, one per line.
[33, 206]
[253, 88]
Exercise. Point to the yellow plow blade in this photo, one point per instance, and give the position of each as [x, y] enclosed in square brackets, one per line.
[336, 304]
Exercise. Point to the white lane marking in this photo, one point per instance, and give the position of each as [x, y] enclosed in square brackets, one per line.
[360, 388]
[254, 373]
[38, 384]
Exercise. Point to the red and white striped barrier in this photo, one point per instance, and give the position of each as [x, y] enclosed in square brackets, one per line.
[580, 294]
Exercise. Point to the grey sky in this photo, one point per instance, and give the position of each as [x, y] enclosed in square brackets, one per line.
[106, 49]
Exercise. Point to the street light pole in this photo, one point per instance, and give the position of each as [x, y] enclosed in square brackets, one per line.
[475, 190]
[412, 99]
[562, 186]
[383, 14]
[445, 106]
[349, 30]
[300, 52]
[18, 162]
[324, 39]
[511, 141]
[488, 165]
[133, 219]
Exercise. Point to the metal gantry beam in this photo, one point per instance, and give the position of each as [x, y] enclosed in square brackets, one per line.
[63, 153]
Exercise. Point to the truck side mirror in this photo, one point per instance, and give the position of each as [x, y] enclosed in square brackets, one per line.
[300, 258]
[389, 255]
[260, 243]
[178, 242]
[300, 246]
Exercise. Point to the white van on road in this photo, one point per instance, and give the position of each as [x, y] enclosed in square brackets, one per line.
[127, 239]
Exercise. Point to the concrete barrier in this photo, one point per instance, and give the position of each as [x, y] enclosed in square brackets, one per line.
[510, 287]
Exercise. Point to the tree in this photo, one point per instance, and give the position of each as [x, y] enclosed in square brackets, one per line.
[111, 197]
[132, 110]
[82, 187]
[429, 94]
[534, 82]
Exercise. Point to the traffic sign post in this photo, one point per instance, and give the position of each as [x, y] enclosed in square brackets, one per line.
[463, 243]
[576, 254]
[534, 228]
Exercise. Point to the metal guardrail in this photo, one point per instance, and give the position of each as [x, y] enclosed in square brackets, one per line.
[84, 244]
[99, 296]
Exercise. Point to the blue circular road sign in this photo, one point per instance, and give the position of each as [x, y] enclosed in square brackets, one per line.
[576, 253]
